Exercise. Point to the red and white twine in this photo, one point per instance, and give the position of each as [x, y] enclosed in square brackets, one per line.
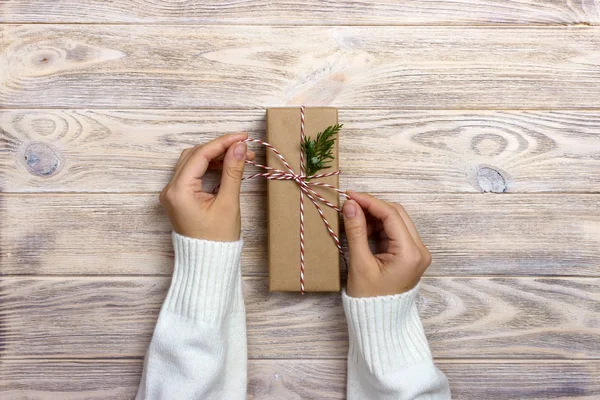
[305, 184]
[302, 173]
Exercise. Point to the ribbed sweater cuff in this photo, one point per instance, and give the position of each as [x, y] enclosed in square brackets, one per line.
[206, 280]
[386, 331]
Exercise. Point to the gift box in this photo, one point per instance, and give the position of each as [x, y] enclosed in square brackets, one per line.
[321, 254]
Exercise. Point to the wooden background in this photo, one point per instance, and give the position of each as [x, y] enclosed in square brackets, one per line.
[481, 117]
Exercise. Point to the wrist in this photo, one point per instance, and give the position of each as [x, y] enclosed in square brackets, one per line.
[216, 227]
[218, 233]
[363, 287]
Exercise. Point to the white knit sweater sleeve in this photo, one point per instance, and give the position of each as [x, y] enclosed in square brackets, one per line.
[389, 357]
[198, 350]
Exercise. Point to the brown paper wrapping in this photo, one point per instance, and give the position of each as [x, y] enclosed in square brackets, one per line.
[321, 255]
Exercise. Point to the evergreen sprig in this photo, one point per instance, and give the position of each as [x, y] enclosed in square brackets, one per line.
[319, 151]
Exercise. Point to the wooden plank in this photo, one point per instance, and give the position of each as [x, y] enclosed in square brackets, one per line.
[274, 379]
[353, 66]
[105, 234]
[304, 12]
[69, 380]
[113, 234]
[382, 150]
[522, 380]
[305, 379]
[463, 318]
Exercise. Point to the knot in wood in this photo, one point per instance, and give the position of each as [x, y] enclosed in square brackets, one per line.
[490, 180]
[41, 159]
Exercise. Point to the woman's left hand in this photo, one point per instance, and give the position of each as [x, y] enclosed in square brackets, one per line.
[203, 215]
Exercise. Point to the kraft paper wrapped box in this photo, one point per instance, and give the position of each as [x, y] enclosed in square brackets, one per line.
[322, 258]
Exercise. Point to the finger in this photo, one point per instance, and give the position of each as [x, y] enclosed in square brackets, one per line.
[218, 163]
[414, 233]
[355, 225]
[197, 163]
[182, 158]
[233, 171]
[250, 155]
[393, 224]
[409, 224]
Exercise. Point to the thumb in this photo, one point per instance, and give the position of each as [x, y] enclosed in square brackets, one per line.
[233, 171]
[355, 225]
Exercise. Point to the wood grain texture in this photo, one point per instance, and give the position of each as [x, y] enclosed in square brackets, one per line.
[303, 379]
[358, 66]
[117, 234]
[305, 12]
[463, 318]
[380, 150]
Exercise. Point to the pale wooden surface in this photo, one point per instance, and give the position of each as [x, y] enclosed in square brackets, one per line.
[442, 102]
[324, 379]
[216, 66]
[440, 151]
[306, 12]
[467, 234]
[464, 318]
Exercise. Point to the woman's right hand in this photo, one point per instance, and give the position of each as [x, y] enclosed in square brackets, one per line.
[402, 258]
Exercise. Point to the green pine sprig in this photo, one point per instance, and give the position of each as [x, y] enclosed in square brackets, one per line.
[319, 151]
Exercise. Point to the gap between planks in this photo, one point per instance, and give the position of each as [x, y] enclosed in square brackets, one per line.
[340, 108]
[579, 25]
[262, 276]
[433, 25]
[145, 193]
[441, 360]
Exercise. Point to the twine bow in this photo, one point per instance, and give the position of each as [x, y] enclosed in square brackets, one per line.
[306, 184]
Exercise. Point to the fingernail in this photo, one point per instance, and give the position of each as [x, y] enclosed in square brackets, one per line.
[349, 209]
[239, 152]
